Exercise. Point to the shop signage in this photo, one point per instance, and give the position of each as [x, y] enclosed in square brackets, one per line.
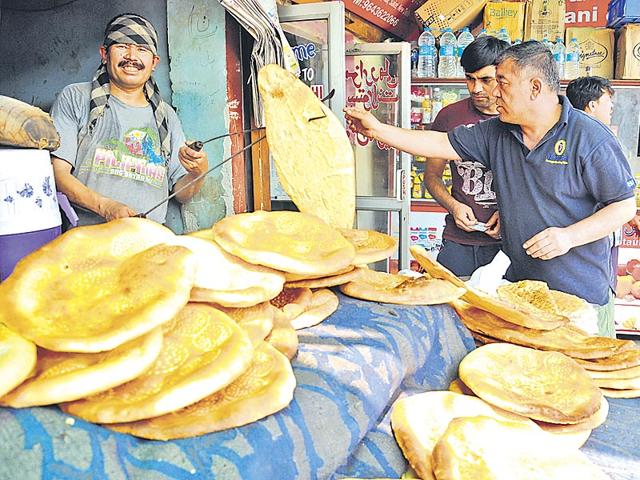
[586, 13]
[393, 16]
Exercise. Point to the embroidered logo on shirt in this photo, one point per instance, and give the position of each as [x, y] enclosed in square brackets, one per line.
[558, 157]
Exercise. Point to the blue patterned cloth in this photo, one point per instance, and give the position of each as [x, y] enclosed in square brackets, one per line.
[349, 370]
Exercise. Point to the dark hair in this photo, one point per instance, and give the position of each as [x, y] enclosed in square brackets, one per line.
[481, 52]
[583, 90]
[535, 56]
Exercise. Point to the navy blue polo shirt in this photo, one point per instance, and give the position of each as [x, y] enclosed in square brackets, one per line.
[577, 168]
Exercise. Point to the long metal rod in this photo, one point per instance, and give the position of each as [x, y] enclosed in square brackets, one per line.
[144, 215]
[197, 145]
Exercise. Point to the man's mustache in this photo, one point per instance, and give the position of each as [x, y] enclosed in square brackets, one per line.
[133, 63]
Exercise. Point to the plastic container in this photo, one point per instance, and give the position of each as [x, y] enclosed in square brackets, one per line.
[448, 58]
[547, 43]
[436, 103]
[559, 56]
[464, 39]
[427, 59]
[29, 212]
[504, 35]
[572, 60]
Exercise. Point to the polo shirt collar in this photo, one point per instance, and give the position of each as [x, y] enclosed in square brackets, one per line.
[563, 121]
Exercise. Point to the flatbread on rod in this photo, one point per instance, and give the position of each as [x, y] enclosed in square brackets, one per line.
[264, 388]
[483, 448]
[97, 287]
[418, 421]
[399, 289]
[17, 359]
[562, 339]
[226, 279]
[310, 148]
[547, 386]
[203, 351]
[288, 241]
[512, 313]
[62, 377]
[371, 246]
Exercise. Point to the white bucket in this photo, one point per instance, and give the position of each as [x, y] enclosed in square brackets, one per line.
[28, 200]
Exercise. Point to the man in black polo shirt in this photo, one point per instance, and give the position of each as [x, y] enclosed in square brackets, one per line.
[562, 181]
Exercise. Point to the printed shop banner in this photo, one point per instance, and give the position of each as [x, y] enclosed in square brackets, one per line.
[393, 16]
[586, 13]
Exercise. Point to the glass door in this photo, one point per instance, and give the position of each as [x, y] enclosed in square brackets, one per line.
[378, 79]
[315, 32]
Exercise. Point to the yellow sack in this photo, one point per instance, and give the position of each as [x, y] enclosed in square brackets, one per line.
[23, 125]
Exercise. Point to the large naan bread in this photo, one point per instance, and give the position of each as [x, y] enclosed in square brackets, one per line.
[399, 289]
[547, 386]
[289, 241]
[330, 281]
[418, 422]
[257, 321]
[97, 287]
[563, 339]
[264, 388]
[310, 148]
[530, 318]
[483, 448]
[203, 351]
[616, 361]
[17, 359]
[323, 303]
[371, 246]
[226, 279]
[63, 377]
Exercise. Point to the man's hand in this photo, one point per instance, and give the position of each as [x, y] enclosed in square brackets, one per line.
[549, 243]
[110, 210]
[464, 217]
[194, 162]
[362, 121]
[493, 226]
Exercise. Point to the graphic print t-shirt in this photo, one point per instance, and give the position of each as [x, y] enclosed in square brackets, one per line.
[471, 182]
[121, 160]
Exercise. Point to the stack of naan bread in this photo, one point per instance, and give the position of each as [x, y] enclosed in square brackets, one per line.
[167, 336]
[529, 314]
[525, 415]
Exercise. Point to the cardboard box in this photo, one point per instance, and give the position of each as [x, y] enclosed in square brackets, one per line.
[586, 13]
[596, 50]
[544, 16]
[509, 15]
[628, 52]
[457, 14]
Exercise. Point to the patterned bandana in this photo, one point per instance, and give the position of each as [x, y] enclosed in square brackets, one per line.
[130, 29]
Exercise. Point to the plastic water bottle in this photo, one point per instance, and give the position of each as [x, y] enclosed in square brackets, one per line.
[436, 103]
[482, 33]
[518, 41]
[572, 62]
[427, 54]
[448, 47]
[547, 43]
[559, 53]
[464, 39]
[414, 59]
[503, 35]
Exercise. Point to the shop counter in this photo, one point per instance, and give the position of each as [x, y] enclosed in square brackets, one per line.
[349, 370]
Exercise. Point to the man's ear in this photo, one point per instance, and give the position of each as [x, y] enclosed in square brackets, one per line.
[103, 53]
[535, 86]
[590, 107]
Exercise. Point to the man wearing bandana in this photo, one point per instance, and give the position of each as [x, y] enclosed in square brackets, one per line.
[122, 148]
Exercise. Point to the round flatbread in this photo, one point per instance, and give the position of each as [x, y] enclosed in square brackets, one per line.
[293, 301]
[257, 321]
[242, 285]
[511, 313]
[616, 361]
[371, 246]
[590, 423]
[458, 386]
[17, 359]
[289, 241]
[419, 420]
[264, 388]
[283, 337]
[485, 448]
[612, 393]
[326, 282]
[97, 287]
[323, 303]
[294, 277]
[203, 351]
[564, 339]
[546, 386]
[311, 151]
[618, 383]
[389, 288]
[63, 377]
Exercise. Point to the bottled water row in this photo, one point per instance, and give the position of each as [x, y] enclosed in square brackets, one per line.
[444, 62]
